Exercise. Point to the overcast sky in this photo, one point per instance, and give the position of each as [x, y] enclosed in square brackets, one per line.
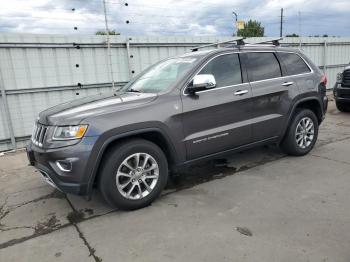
[168, 17]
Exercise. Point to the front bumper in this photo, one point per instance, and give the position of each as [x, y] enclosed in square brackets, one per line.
[341, 94]
[73, 176]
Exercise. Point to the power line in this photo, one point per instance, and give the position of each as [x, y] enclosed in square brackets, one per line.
[179, 3]
[49, 18]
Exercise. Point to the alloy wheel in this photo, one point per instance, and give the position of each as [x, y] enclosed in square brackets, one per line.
[305, 132]
[137, 176]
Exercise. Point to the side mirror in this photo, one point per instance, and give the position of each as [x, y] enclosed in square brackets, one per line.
[201, 82]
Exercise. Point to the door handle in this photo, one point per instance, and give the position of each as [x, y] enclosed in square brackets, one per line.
[240, 92]
[288, 83]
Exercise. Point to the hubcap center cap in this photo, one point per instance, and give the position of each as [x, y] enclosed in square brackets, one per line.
[137, 174]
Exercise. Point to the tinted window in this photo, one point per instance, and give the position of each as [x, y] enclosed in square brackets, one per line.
[226, 69]
[263, 66]
[294, 63]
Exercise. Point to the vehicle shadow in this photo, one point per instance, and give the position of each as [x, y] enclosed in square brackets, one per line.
[221, 167]
[185, 178]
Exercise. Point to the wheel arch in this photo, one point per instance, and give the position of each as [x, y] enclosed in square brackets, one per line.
[155, 135]
[311, 103]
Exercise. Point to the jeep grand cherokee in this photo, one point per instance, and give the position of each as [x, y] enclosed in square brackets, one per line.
[181, 110]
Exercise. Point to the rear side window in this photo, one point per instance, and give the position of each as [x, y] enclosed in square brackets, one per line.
[263, 66]
[226, 69]
[294, 63]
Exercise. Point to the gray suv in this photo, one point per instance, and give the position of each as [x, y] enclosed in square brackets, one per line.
[181, 110]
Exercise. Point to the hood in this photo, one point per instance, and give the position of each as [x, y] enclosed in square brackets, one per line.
[72, 113]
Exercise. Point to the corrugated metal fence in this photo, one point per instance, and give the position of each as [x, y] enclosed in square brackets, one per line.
[39, 71]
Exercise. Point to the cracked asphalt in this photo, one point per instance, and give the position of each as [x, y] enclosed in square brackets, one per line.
[258, 205]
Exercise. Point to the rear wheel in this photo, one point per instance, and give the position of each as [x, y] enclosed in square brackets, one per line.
[343, 107]
[302, 133]
[133, 174]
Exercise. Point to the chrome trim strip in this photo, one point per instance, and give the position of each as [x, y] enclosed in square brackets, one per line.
[240, 92]
[288, 83]
[36, 132]
[218, 88]
[242, 52]
[62, 168]
[39, 134]
[48, 180]
[282, 77]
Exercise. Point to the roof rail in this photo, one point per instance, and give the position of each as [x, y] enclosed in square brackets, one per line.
[239, 41]
[274, 41]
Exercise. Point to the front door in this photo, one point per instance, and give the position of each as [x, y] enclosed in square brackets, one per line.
[217, 119]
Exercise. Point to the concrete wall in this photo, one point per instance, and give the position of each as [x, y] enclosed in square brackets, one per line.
[39, 71]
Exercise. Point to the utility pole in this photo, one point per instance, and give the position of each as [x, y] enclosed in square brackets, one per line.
[108, 43]
[299, 27]
[281, 25]
[236, 16]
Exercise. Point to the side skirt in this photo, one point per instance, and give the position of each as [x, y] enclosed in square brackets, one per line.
[271, 140]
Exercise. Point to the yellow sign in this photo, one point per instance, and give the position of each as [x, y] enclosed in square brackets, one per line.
[240, 24]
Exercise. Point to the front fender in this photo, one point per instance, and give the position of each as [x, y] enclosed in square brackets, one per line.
[111, 136]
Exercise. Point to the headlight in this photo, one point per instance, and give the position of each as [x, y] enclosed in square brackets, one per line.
[69, 132]
[339, 77]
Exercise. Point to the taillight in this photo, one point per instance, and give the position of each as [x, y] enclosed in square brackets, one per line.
[322, 87]
[324, 80]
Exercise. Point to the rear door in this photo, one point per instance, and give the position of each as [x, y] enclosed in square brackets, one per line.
[218, 119]
[271, 94]
[299, 70]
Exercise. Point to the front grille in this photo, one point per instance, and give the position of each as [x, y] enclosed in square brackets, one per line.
[39, 134]
[346, 78]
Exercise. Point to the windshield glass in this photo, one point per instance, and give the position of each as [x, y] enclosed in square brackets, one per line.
[161, 76]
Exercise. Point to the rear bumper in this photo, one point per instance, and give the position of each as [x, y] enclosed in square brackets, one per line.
[71, 179]
[341, 94]
[325, 106]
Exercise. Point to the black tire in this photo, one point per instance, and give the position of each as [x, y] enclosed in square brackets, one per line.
[343, 107]
[289, 144]
[113, 161]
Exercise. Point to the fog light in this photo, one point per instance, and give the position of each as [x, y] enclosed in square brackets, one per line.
[64, 165]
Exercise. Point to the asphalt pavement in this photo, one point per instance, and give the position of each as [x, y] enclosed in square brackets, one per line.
[257, 205]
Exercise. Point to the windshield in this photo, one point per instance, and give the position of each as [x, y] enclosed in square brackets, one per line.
[161, 76]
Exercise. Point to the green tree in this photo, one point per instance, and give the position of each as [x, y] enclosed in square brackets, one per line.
[251, 29]
[111, 32]
[292, 35]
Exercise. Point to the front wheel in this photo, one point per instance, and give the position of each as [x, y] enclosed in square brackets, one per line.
[302, 133]
[133, 174]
